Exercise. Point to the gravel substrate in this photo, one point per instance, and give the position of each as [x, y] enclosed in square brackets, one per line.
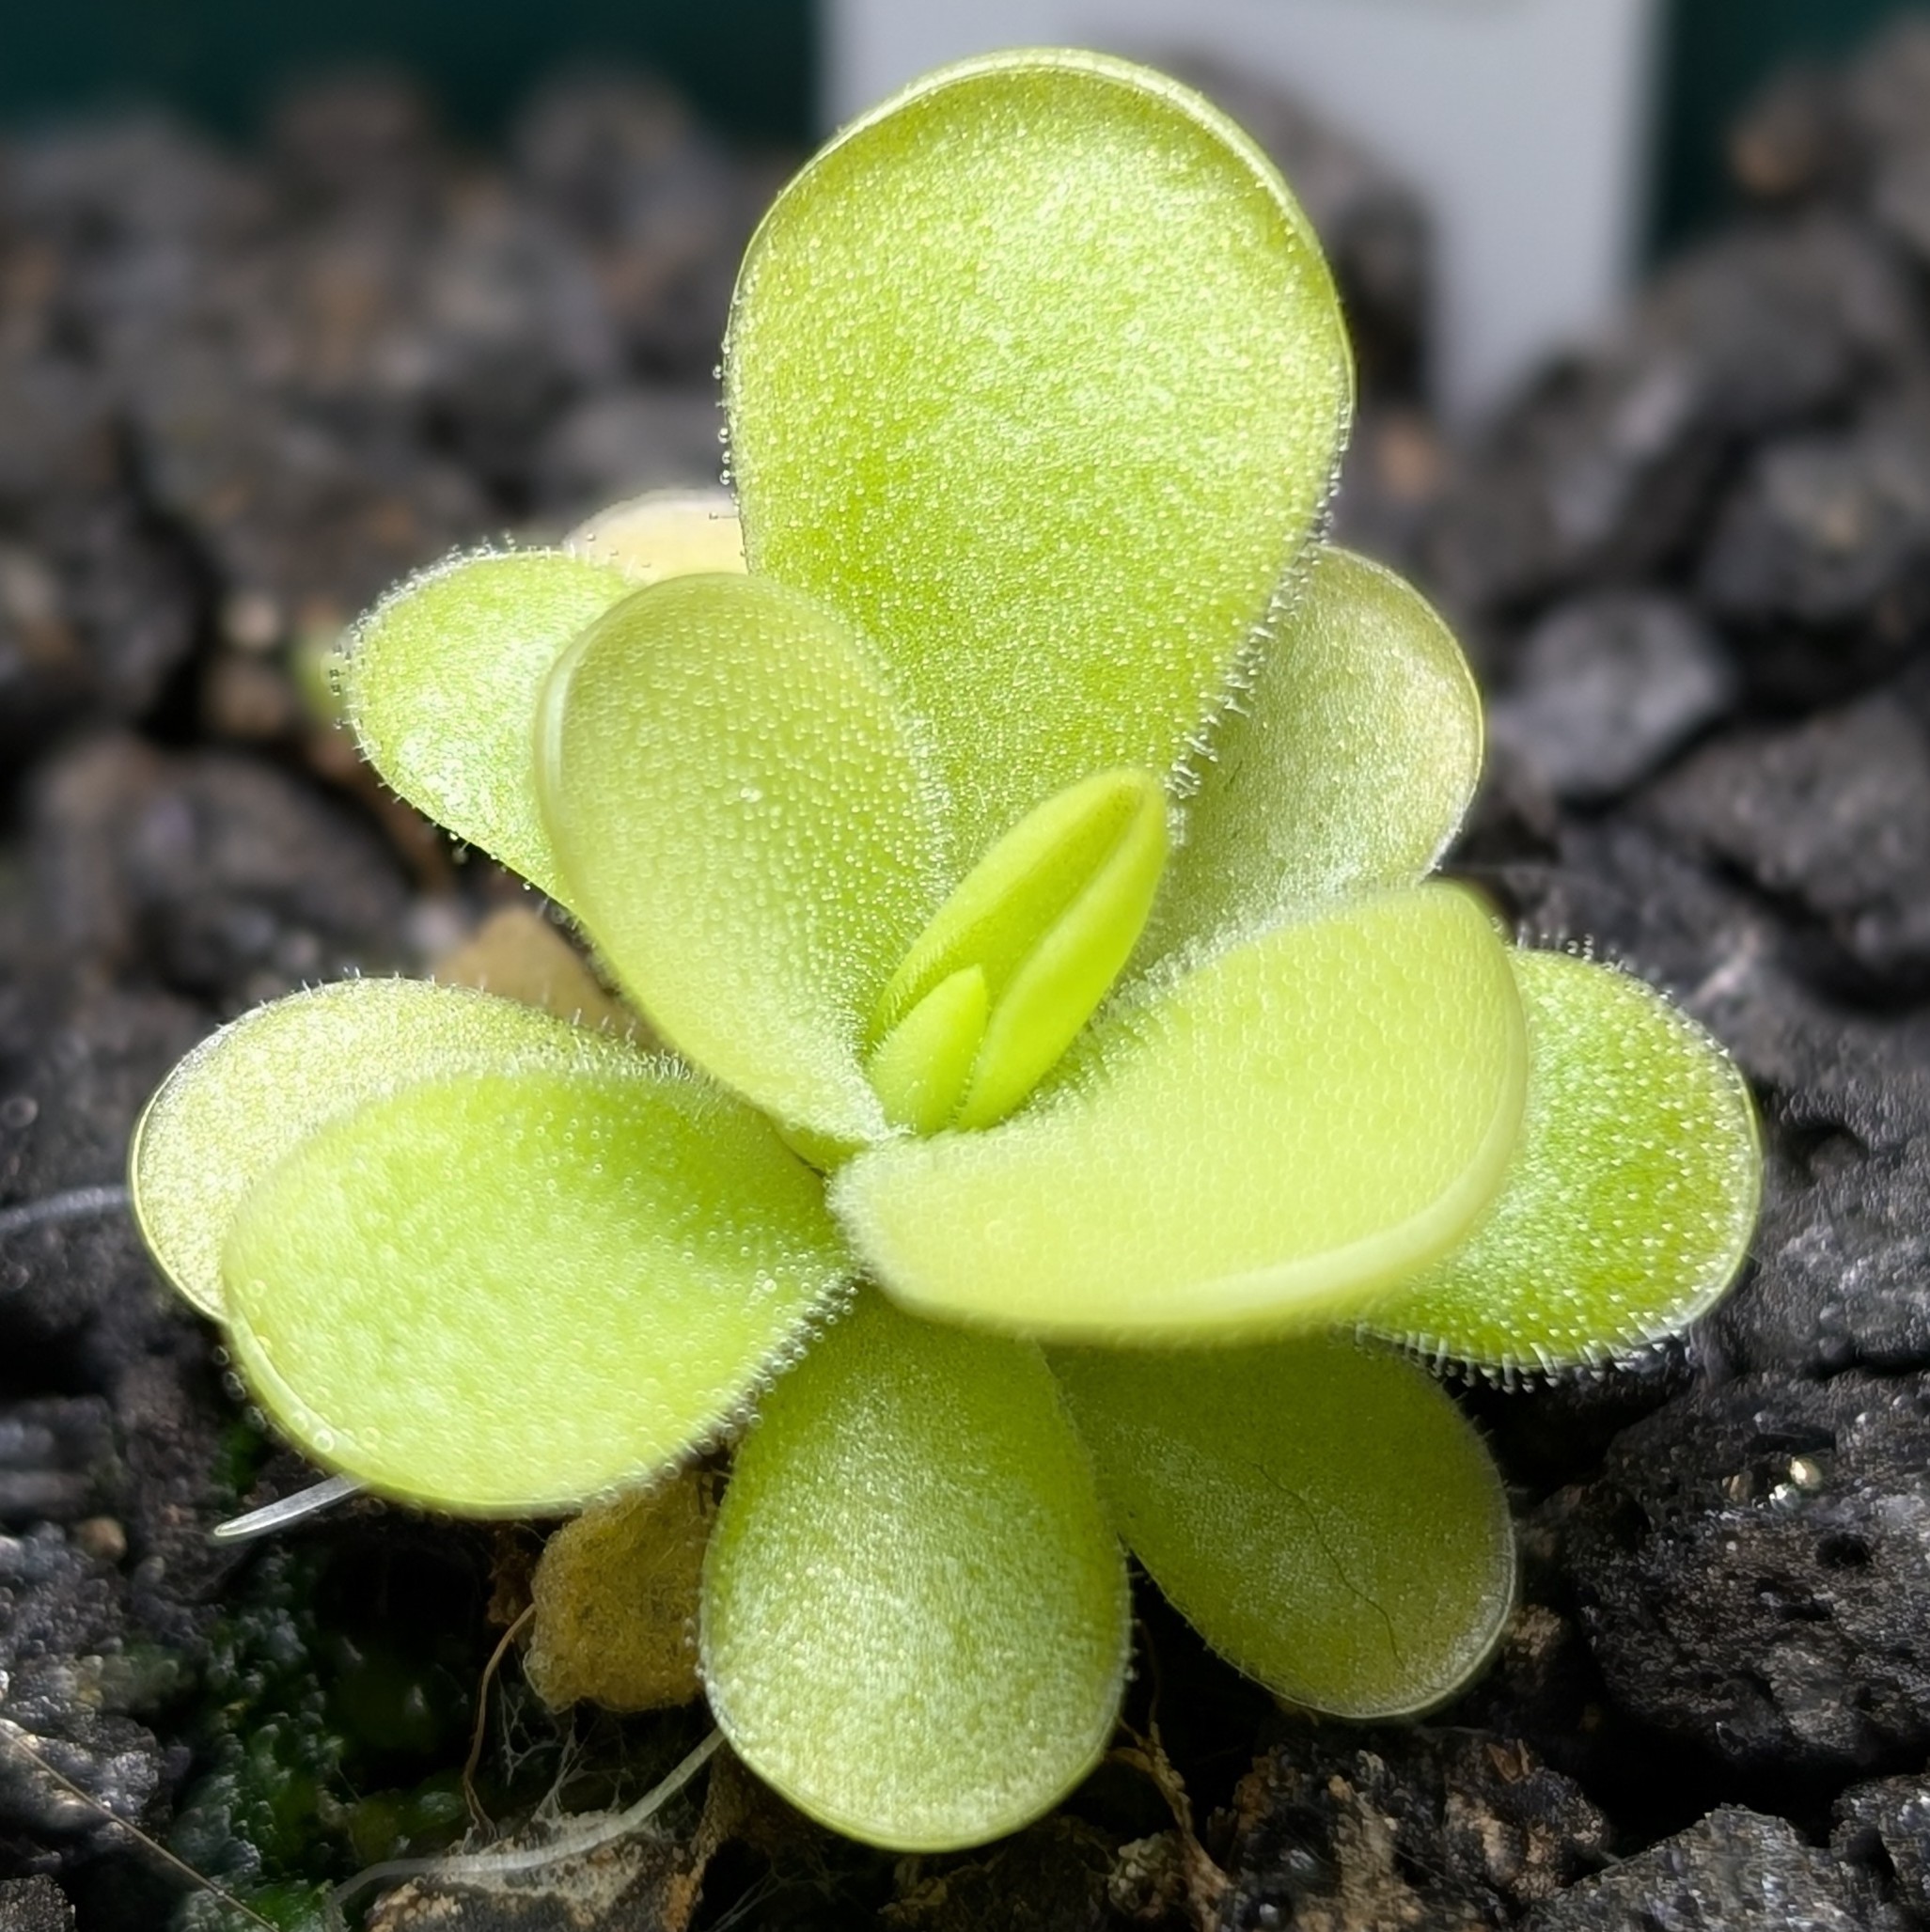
[240, 394]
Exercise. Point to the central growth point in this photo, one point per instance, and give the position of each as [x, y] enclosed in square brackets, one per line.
[1013, 964]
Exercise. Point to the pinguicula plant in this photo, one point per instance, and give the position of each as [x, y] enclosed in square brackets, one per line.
[1076, 1110]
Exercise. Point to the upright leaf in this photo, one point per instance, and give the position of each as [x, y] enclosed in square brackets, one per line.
[1347, 768]
[1037, 374]
[744, 819]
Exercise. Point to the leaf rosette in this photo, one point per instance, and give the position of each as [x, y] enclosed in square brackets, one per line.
[1078, 1103]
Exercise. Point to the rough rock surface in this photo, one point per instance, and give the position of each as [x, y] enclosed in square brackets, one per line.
[1447, 1830]
[1734, 1872]
[1748, 1568]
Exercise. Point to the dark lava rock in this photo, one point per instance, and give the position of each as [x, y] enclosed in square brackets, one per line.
[662, 208]
[617, 443]
[78, 1297]
[1842, 1273]
[1886, 1826]
[34, 1905]
[291, 503]
[82, 1310]
[1606, 467]
[516, 326]
[1885, 110]
[1854, 135]
[354, 138]
[1823, 530]
[1616, 889]
[1436, 1829]
[215, 875]
[1820, 559]
[99, 605]
[75, 1675]
[1747, 1569]
[1833, 816]
[1052, 1877]
[57, 1458]
[1733, 1872]
[1606, 687]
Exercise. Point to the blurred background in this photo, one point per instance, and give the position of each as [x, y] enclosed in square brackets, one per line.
[1557, 144]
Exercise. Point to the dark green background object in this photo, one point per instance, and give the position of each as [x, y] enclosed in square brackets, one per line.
[750, 64]
[1716, 53]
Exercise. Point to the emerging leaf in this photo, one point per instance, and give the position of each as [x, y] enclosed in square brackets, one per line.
[1263, 1146]
[922, 1067]
[1036, 373]
[604, 1269]
[1046, 919]
[914, 1618]
[1321, 1514]
[746, 822]
[1631, 1200]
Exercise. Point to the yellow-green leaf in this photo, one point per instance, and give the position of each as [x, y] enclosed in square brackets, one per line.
[1630, 1206]
[442, 682]
[1347, 767]
[1037, 374]
[746, 825]
[1323, 1514]
[509, 1293]
[914, 1616]
[251, 1093]
[1261, 1146]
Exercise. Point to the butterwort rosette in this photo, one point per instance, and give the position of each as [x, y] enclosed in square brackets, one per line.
[1076, 1107]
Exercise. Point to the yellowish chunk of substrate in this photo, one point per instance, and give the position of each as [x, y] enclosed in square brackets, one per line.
[517, 955]
[667, 533]
[616, 1596]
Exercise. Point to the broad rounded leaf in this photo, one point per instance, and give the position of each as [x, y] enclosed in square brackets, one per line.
[509, 1293]
[1630, 1204]
[252, 1092]
[746, 824]
[1037, 374]
[915, 1616]
[1347, 767]
[1323, 1515]
[1261, 1146]
[442, 682]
